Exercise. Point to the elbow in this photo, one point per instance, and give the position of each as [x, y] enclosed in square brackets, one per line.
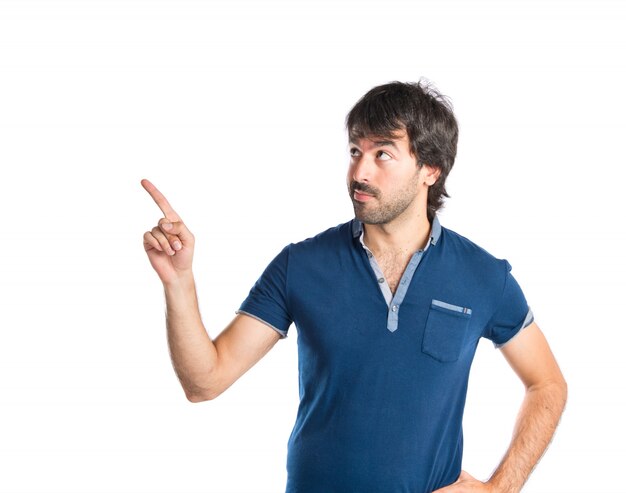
[555, 391]
[196, 397]
[201, 388]
[562, 396]
[559, 388]
[564, 390]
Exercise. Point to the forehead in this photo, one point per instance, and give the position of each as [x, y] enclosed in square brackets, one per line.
[399, 140]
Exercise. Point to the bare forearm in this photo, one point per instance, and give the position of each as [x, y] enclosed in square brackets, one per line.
[191, 349]
[534, 428]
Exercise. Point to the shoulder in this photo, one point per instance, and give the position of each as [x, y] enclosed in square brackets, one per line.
[330, 238]
[461, 244]
[466, 255]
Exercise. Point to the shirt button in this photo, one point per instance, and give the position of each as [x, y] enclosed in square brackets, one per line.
[381, 280]
[394, 308]
[369, 255]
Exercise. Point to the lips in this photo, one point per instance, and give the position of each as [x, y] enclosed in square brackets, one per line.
[362, 192]
[362, 196]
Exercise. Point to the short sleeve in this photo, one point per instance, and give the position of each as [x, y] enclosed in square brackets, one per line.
[267, 300]
[512, 313]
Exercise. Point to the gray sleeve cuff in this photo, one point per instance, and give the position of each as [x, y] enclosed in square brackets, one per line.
[282, 333]
[527, 321]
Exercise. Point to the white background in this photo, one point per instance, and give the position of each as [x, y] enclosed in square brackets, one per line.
[235, 110]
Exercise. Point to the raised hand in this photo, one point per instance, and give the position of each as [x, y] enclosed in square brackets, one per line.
[170, 244]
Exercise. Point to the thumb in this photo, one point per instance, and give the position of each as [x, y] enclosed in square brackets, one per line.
[465, 476]
[177, 228]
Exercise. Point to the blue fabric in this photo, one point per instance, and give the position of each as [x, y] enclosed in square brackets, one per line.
[381, 411]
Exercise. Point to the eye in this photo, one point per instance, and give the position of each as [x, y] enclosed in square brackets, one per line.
[354, 152]
[383, 156]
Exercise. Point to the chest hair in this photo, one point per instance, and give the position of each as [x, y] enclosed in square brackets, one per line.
[393, 265]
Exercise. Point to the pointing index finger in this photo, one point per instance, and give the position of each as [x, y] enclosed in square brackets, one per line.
[160, 200]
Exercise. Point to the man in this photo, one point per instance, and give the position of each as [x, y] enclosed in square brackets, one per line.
[389, 309]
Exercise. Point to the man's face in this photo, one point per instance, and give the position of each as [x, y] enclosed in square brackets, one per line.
[384, 180]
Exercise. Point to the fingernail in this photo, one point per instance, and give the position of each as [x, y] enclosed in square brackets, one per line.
[177, 245]
[167, 225]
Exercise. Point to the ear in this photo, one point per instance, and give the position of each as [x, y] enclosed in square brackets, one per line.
[430, 174]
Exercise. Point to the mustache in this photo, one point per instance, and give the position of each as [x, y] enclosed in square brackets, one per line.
[363, 187]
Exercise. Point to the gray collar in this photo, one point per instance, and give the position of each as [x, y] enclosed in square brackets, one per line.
[435, 230]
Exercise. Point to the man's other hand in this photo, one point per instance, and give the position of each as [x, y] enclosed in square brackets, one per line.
[466, 484]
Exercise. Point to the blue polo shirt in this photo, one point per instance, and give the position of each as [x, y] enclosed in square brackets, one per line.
[383, 377]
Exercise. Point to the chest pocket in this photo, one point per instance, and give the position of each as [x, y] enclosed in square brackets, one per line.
[446, 329]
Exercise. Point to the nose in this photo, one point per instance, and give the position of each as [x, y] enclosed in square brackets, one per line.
[361, 169]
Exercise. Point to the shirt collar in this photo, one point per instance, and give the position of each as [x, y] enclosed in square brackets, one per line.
[435, 230]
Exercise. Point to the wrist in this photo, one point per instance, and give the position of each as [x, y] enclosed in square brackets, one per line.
[491, 487]
[183, 281]
[495, 486]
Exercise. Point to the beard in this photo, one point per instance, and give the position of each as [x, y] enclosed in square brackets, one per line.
[382, 210]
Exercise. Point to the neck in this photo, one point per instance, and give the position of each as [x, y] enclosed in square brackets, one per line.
[403, 234]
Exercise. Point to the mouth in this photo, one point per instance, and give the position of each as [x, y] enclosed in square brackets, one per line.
[362, 192]
[360, 196]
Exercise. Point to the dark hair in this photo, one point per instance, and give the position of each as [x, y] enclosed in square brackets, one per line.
[428, 119]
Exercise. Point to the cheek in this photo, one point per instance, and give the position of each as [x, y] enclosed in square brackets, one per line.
[350, 172]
